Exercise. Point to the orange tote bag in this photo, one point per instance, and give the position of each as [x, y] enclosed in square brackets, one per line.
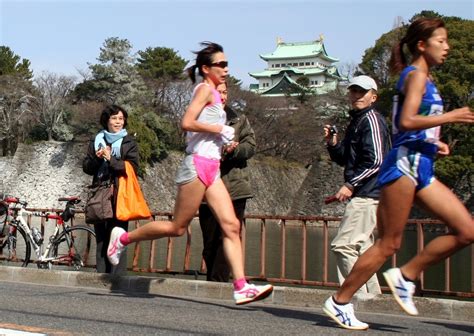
[131, 204]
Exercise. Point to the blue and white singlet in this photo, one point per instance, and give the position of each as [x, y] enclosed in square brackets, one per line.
[413, 152]
[431, 104]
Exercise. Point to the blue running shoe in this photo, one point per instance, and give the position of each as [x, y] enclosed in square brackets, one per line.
[402, 290]
[343, 315]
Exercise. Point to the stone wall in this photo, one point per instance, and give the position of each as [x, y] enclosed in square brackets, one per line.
[42, 172]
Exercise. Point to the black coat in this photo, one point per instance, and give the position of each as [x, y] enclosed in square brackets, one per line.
[234, 168]
[115, 167]
[361, 152]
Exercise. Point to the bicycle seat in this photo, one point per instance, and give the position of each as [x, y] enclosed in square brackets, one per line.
[74, 199]
[11, 199]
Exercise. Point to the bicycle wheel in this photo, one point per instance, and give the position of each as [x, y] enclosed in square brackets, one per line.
[74, 248]
[15, 249]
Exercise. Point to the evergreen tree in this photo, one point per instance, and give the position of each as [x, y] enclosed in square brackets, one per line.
[161, 63]
[115, 79]
[10, 64]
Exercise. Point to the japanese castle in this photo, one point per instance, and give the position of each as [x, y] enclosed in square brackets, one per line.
[291, 61]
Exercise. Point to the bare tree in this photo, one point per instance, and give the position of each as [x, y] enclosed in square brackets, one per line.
[348, 69]
[170, 98]
[51, 99]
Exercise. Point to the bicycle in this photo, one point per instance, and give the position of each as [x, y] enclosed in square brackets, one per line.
[70, 246]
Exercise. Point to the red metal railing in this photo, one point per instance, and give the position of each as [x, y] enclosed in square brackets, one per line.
[322, 223]
[302, 222]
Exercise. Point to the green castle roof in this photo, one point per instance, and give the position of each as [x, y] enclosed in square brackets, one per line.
[299, 50]
[277, 71]
[286, 85]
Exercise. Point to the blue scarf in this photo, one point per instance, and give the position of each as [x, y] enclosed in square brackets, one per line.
[115, 139]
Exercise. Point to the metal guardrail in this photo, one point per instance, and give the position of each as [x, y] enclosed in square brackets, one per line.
[302, 222]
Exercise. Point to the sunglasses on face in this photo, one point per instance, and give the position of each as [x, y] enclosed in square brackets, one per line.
[221, 64]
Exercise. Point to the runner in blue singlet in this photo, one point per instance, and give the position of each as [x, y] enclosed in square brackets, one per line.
[406, 176]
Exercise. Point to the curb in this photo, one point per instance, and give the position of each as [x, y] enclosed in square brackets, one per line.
[285, 296]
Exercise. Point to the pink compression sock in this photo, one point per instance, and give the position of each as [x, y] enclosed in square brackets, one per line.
[239, 283]
[124, 239]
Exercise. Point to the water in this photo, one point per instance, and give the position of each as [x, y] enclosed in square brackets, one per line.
[461, 263]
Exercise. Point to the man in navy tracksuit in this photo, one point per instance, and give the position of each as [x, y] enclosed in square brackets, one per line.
[361, 152]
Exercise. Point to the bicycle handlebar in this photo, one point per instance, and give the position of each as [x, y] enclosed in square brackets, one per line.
[72, 199]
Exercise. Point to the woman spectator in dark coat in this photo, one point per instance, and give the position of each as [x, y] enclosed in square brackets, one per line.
[105, 161]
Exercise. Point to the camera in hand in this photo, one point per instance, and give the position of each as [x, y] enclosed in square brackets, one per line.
[332, 130]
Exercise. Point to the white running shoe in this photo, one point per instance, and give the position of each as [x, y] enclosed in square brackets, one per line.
[402, 290]
[343, 315]
[250, 293]
[115, 248]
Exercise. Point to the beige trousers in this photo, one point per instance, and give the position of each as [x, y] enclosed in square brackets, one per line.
[354, 237]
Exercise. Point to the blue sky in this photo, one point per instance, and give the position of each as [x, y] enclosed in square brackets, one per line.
[63, 36]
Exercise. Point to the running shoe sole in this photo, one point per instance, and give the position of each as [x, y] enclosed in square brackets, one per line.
[260, 296]
[332, 316]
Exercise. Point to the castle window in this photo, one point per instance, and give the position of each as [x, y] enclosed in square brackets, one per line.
[301, 63]
[307, 63]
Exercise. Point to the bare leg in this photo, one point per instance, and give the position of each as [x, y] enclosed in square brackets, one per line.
[188, 200]
[221, 204]
[392, 214]
[444, 204]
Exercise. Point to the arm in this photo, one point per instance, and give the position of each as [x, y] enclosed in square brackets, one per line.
[337, 152]
[130, 154]
[91, 163]
[335, 149]
[247, 143]
[411, 120]
[370, 151]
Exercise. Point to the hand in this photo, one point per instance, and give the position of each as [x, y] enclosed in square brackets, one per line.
[462, 115]
[106, 153]
[330, 139]
[343, 194]
[230, 147]
[99, 153]
[443, 148]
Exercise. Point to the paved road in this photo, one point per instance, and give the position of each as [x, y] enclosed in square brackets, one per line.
[56, 310]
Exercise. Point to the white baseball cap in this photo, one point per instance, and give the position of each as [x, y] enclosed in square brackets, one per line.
[364, 82]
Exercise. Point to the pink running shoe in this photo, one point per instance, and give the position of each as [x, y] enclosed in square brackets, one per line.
[115, 248]
[250, 293]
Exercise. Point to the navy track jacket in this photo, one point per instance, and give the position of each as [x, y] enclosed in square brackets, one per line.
[361, 152]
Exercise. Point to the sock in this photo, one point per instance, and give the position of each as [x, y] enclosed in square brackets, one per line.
[405, 278]
[124, 239]
[338, 303]
[239, 284]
